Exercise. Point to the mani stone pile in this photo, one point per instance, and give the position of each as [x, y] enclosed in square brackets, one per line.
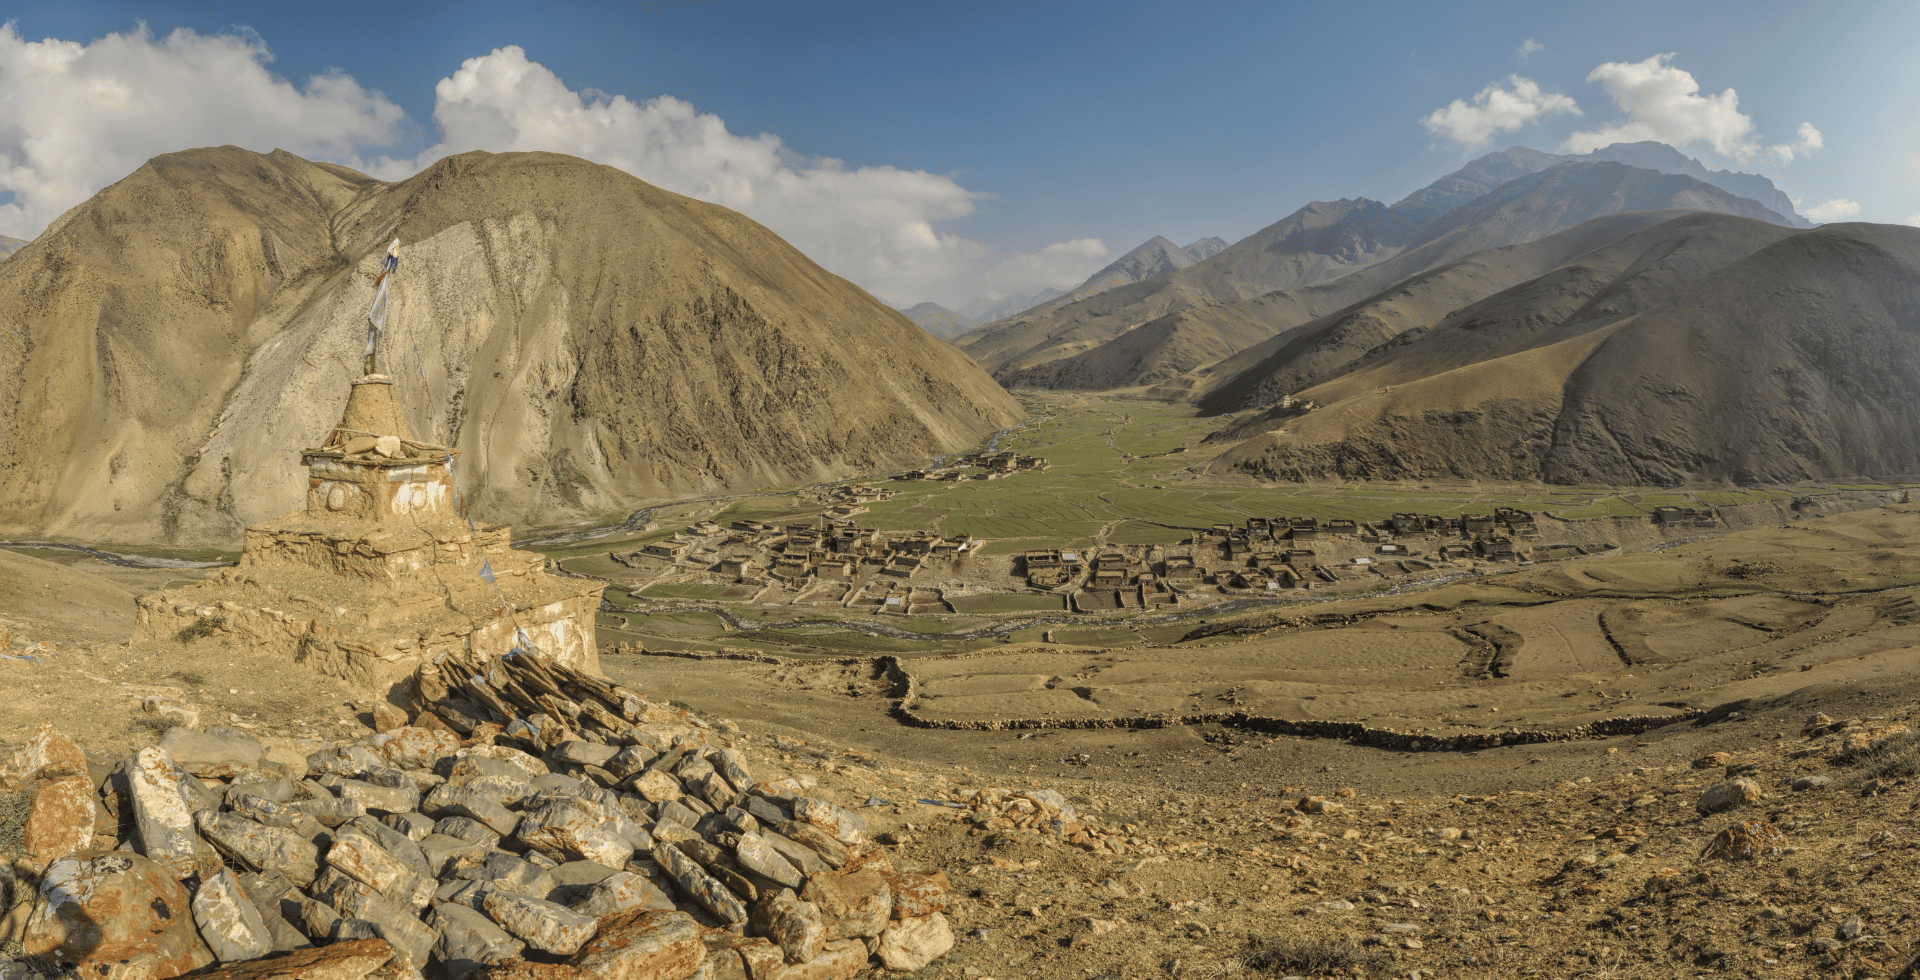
[530, 821]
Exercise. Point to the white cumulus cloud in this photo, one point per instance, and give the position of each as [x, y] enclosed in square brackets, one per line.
[1496, 109]
[1527, 49]
[1833, 210]
[1914, 219]
[876, 225]
[1060, 265]
[81, 116]
[1664, 103]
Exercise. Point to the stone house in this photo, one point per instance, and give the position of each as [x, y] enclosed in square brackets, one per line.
[672, 549]
[1498, 548]
[1182, 570]
[1048, 576]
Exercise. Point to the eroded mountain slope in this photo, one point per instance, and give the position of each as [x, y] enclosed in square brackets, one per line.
[588, 342]
[1411, 239]
[1707, 348]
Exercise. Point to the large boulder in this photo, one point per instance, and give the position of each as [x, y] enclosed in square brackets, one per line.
[359, 959]
[50, 753]
[912, 943]
[61, 820]
[1730, 795]
[111, 913]
[642, 945]
[855, 904]
[228, 921]
[220, 753]
[260, 847]
[162, 813]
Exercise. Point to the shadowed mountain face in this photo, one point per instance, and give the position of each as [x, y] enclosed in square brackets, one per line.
[1174, 349]
[988, 310]
[939, 321]
[1649, 155]
[1157, 256]
[1705, 347]
[1205, 248]
[1318, 243]
[587, 342]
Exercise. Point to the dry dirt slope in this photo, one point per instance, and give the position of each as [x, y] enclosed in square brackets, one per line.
[589, 342]
[1706, 348]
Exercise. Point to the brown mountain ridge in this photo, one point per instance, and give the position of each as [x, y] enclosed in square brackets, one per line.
[1315, 261]
[1525, 209]
[589, 342]
[1704, 348]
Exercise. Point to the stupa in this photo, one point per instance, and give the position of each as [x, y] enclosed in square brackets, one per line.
[383, 570]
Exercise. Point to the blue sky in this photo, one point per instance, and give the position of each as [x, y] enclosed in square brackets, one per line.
[989, 147]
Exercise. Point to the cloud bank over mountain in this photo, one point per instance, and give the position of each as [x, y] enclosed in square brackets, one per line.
[81, 116]
[1663, 103]
[85, 114]
[1660, 103]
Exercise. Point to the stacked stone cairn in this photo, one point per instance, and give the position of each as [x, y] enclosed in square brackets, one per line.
[528, 821]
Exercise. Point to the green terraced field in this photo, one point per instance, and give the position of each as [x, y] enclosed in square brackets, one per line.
[1009, 603]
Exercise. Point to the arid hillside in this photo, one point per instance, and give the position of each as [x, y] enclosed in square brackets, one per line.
[1213, 311]
[588, 342]
[1706, 348]
[1522, 288]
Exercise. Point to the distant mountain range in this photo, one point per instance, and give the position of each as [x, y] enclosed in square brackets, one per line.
[1315, 261]
[1155, 256]
[988, 310]
[8, 246]
[940, 321]
[1206, 248]
[1650, 155]
[1620, 317]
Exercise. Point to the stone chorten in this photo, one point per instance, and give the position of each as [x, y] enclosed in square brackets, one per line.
[382, 571]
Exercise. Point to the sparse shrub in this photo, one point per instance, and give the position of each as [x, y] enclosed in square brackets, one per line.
[151, 728]
[203, 626]
[14, 808]
[1314, 957]
[1895, 757]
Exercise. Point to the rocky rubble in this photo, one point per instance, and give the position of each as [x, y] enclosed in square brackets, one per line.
[1619, 873]
[521, 820]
